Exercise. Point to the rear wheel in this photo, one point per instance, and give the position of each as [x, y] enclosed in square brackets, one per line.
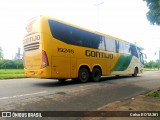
[96, 74]
[135, 72]
[83, 75]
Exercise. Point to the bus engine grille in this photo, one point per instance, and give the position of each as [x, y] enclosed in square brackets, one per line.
[32, 46]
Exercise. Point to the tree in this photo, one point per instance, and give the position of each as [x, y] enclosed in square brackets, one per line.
[158, 64]
[1, 54]
[11, 64]
[152, 64]
[153, 15]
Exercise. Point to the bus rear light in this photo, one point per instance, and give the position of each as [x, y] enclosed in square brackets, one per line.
[44, 60]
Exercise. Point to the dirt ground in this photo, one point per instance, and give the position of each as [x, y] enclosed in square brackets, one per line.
[138, 103]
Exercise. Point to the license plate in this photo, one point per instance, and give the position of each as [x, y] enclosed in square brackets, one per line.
[32, 72]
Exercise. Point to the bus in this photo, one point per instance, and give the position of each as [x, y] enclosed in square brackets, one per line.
[60, 50]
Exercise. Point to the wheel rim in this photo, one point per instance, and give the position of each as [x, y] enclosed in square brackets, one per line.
[84, 75]
[96, 75]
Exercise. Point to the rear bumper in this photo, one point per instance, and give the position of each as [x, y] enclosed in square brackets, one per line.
[42, 73]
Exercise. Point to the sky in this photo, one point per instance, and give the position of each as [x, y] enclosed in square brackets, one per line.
[125, 19]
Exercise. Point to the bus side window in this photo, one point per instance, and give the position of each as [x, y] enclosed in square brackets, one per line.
[133, 50]
[76, 37]
[126, 48]
[121, 47]
[102, 44]
[117, 46]
[110, 44]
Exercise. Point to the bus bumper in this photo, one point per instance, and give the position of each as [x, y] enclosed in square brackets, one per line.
[42, 73]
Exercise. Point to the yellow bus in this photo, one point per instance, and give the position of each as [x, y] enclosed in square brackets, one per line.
[59, 50]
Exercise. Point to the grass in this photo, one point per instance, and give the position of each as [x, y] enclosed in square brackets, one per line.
[150, 69]
[154, 93]
[11, 73]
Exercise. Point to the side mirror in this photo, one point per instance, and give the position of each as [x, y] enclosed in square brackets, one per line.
[144, 56]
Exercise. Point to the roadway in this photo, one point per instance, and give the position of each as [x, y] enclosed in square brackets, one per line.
[30, 94]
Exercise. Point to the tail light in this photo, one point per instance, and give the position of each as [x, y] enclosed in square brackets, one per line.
[44, 59]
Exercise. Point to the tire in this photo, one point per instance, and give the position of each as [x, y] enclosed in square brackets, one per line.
[83, 75]
[135, 72]
[96, 75]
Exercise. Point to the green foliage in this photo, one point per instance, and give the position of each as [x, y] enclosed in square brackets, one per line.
[153, 94]
[11, 64]
[152, 64]
[153, 15]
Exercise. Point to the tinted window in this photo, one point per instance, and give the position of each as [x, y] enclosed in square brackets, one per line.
[110, 44]
[117, 46]
[133, 50]
[102, 44]
[126, 48]
[121, 46]
[75, 36]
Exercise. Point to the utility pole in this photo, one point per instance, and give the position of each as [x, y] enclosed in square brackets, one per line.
[98, 14]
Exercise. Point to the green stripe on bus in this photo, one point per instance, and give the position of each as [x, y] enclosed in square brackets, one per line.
[122, 63]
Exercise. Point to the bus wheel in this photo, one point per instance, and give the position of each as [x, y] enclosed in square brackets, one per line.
[135, 72]
[83, 75]
[96, 75]
[61, 80]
